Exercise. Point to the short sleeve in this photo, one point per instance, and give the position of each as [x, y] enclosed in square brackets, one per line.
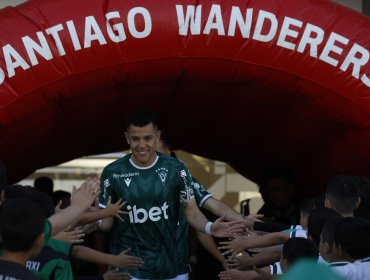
[186, 190]
[200, 194]
[105, 188]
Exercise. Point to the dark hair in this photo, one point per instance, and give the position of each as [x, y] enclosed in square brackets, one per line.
[42, 199]
[343, 192]
[166, 139]
[307, 205]
[316, 221]
[297, 248]
[59, 195]
[352, 234]
[142, 118]
[329, 229]
[21, 222]
[44, 184]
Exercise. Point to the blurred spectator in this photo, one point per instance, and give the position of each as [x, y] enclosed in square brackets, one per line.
[281, 203]
[45, 185]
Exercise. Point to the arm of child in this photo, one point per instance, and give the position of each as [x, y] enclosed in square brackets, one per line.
[121, 260]
[242, 243]
[80, 201]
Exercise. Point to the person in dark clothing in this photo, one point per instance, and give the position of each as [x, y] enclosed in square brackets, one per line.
[281, 203]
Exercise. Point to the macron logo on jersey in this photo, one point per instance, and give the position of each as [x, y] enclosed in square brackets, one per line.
[127, 181]
[140, 215]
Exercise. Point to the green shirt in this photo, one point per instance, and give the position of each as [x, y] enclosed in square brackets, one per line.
[52, 263]
[153, 196]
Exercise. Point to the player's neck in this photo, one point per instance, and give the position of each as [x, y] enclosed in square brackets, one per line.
[141, 165]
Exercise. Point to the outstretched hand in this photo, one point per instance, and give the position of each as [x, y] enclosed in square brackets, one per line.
[234, 246]
[220, 228]
[115, 208]
[123, 260]
[85, 195]
[72, 236]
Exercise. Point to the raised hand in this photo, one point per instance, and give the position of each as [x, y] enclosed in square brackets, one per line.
[234, 246]
[72, 236]
[114, 209]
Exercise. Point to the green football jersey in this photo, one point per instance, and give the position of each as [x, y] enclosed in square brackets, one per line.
[154, 195]
[201, 196]
[52, 263]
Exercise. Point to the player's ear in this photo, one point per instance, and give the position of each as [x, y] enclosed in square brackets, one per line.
[158, 135]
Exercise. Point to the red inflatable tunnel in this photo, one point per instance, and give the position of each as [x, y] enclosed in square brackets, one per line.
[257, 84]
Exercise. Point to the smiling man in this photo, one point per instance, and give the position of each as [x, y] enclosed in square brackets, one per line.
[155, 186]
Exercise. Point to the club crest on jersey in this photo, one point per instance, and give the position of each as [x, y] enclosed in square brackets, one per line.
[162, 173]
[127, 181]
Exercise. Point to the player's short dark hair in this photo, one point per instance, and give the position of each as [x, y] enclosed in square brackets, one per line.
[352, 234]
[142, 118]
[343, 192]
[307, 205]
[316, 221]
[329, 229]
[297, 248]
[21, 222]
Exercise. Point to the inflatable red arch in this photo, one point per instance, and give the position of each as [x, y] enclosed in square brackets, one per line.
[254, 83]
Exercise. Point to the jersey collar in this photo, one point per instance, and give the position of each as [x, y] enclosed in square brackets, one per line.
[146, 167]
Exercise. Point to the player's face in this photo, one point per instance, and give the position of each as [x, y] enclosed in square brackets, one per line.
[142, 141]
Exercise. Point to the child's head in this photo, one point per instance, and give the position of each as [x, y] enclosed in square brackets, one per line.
[307, 205]
[316, 221]
[21, 226]
[352, 236]
[296, 249]
[343, 194]
[328, 247]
